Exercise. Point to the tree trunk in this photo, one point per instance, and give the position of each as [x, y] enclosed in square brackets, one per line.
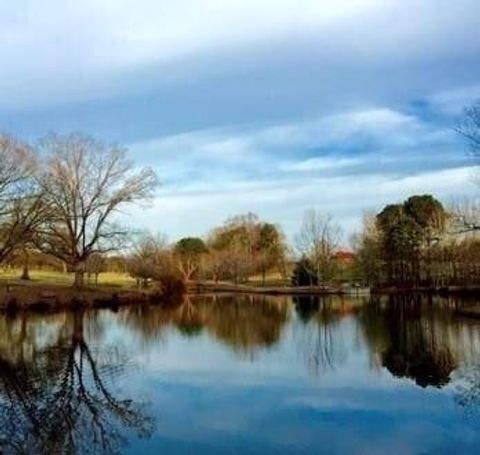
[79, 281]
[25, 272]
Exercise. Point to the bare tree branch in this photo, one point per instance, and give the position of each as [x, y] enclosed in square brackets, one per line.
[85, 182]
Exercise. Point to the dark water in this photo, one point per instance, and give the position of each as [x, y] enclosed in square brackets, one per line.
[243, 375]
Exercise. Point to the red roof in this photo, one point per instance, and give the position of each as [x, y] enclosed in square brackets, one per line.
[344, 256]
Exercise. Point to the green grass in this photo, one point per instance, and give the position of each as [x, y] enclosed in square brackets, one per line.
[66, 279]
[272, 279]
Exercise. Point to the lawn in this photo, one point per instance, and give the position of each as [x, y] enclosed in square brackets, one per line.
[66, 279]
[272, 279]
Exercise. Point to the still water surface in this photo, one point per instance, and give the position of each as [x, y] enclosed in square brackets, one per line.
[243, 375]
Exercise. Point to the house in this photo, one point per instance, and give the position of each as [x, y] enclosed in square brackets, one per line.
[343, 257]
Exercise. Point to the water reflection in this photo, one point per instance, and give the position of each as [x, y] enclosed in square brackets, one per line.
[66, 380]
[320, 338]
[244, 323]
[411, 337]
[54, 389]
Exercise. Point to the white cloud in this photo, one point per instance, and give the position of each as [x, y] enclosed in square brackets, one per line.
[318, 164]
[345, 197]
[370, 138]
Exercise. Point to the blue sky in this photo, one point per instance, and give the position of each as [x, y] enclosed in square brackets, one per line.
[270, 106]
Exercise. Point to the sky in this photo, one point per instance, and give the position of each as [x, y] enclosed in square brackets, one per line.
[265, 106]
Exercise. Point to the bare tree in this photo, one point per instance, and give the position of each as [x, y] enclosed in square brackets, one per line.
[317, 240]
[465, 215]
[85, 182]
[147, 258]
[22, 208]
[470, 130]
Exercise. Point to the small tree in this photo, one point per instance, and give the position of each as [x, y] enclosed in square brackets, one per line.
[189, 252]
[317, 240]
[153, 260]
[270, 248]
[302, 273]
[143, 262]
[84, 183]
[95, 265]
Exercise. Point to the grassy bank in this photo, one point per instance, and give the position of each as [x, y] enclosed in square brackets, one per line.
[65, 279]
[51, 291]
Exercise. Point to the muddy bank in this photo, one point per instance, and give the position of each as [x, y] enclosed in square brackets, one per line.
[41, 297]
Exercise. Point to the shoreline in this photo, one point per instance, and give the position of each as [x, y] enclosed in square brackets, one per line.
[50, 297]
[39, 297]
[210, 287]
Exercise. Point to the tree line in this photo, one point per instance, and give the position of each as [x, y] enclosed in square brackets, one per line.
[60, 197]
[243, 246]
[419, 243]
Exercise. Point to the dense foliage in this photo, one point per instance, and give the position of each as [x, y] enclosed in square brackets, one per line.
[417, 243]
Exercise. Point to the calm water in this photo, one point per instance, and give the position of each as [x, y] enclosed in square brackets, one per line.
[243, 375]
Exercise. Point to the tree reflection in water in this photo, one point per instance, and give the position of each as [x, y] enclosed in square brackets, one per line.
[411, 335]
[56, 399]
[415, 350]
[318, 342]
[57, 386]
[245, 323]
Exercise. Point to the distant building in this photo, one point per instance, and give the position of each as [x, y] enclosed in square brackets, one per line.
[344, 257]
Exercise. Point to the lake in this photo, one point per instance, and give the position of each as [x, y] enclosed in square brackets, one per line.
[244, 374]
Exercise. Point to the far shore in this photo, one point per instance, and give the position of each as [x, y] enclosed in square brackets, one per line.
[41, 296]
[200, 287]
